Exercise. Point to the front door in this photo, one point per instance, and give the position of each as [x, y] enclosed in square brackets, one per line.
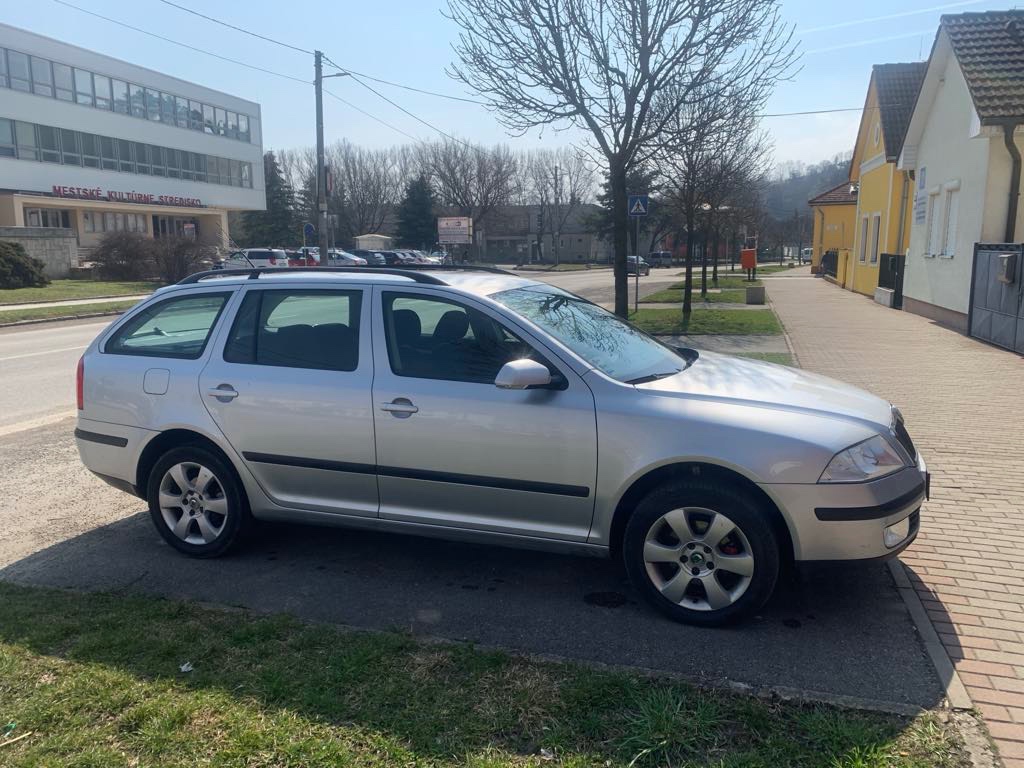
[453, 449]
[289, 386]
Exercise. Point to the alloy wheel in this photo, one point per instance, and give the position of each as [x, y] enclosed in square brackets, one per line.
[193, 503]
[698, 558]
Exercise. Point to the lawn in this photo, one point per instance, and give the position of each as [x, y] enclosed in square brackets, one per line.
[728, 321]
[63, 290]
[675, 296]
[97, 680]
[66, 311]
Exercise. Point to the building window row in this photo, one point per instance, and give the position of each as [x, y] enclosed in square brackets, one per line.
[107, 221]
[29, 141]
[32, 74]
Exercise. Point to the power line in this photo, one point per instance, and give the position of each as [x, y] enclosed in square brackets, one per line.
[304, 50]
[372, 117]
[183, 45]
[234, 61]
[237, 29]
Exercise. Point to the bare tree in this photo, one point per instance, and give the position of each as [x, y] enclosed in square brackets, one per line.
[620, 69]
[369, 187]
[560, 181]
[470, 178]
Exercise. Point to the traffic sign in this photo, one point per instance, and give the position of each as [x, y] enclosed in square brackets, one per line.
[638, 205]
[308, 232]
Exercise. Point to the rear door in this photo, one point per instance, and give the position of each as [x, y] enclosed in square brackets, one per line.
[290, 389]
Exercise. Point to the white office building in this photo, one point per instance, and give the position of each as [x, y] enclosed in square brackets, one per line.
[94, 145]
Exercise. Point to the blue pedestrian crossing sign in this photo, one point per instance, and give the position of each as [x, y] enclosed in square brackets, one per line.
[638, 205]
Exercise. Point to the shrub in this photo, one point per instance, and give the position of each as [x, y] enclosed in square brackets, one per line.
[18, 269]
[178, 257]
[124, 256]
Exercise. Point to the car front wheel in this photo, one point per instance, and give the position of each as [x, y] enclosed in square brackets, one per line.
[196, 502]
[701, 552]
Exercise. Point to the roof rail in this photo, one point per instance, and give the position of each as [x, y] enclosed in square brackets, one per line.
[253, 273]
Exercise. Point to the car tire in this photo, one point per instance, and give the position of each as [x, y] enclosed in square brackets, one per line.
[197, 502]
[690, 577]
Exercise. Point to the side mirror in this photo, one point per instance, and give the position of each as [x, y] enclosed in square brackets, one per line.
[522, 374]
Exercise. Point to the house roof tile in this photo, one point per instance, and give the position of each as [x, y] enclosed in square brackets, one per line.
[838, 195]
[990, 49]
[897, 86]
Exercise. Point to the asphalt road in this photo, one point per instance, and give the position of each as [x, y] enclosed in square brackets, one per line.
[839, 631]
[37, 368]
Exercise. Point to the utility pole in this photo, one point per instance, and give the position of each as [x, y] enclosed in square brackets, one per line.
[558, 220]
[321, 177]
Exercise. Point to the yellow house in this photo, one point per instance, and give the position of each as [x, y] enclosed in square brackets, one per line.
[884, 194]
[835, 213]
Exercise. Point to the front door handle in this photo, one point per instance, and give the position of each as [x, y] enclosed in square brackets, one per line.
[223, 392]
[401, 407]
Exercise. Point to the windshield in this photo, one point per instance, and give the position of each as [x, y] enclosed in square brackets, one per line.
[605, 341]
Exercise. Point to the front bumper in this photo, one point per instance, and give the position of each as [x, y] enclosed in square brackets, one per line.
[848, 521]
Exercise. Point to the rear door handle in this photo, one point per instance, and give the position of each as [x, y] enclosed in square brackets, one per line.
[401, 407]
[223, 392]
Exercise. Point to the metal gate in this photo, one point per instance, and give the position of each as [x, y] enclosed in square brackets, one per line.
[996, 311]
[890, 275]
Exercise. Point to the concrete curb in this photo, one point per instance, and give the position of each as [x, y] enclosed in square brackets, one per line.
[956, 693]
[68, 302]
[82, 316]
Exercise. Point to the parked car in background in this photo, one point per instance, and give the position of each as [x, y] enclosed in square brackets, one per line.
[260, 258]
[633, 263]
[660, 258]
[373, 258]
[481, 406]
[397, 258]
[301, 257]
[339, 258]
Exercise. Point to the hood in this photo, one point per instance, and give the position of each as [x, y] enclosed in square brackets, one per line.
[752, 382]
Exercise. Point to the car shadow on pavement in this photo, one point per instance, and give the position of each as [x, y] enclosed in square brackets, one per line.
[843, 631]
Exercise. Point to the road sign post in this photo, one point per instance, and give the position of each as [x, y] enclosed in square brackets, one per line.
[637, 207]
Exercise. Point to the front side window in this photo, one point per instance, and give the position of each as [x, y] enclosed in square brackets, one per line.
[177, 327]
[69, 147]
[433, 338]
[606, 342]
[64, 81]
[49, 146]
[181, 111]
[222, 121]
[297, 329]
[167, 109]
[90, 150]
[27, 148]
[153, 104]
[195, 116]
[208, 124]
[243, 127]
[126, 156]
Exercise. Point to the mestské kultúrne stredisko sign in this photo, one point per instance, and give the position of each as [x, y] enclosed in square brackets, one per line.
[119, 196]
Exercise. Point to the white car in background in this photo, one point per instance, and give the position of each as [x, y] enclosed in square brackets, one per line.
[260, 258]
[339, 258]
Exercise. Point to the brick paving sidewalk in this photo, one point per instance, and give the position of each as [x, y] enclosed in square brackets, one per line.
[964, 405]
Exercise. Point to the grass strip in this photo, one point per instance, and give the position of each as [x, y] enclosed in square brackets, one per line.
[65, 311]
[97, 681]
[665, 322]
[66, 290]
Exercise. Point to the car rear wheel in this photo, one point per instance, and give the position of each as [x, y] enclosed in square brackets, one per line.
[196, 502]
[701, 552]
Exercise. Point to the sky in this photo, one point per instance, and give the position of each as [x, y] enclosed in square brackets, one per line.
[410, 42]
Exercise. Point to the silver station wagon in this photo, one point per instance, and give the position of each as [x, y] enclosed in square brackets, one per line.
[482, 406]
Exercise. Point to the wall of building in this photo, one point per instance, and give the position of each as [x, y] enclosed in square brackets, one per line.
[56, 248]
[946, 154]
[833, 230]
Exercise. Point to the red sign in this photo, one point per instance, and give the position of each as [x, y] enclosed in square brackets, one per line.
[116, 196]
[748, 258]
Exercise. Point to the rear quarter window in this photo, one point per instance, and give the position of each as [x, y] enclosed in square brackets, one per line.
[177, 327]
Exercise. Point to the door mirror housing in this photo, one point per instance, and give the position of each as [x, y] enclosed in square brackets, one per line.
[522, 374]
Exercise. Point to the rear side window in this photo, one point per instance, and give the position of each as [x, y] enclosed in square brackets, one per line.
[297, 329]
[178, 327]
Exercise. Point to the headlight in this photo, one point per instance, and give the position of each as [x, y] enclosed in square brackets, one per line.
[869, 460]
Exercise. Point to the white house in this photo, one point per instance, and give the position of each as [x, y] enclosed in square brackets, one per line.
[969, 110]
[91, 144]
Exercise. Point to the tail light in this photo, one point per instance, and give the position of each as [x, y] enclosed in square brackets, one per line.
[80, 383]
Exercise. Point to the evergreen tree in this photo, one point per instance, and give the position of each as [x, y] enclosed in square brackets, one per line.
[277, 226]
[417, 226]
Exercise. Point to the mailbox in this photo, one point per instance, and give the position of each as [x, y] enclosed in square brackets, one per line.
[1006, 267]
